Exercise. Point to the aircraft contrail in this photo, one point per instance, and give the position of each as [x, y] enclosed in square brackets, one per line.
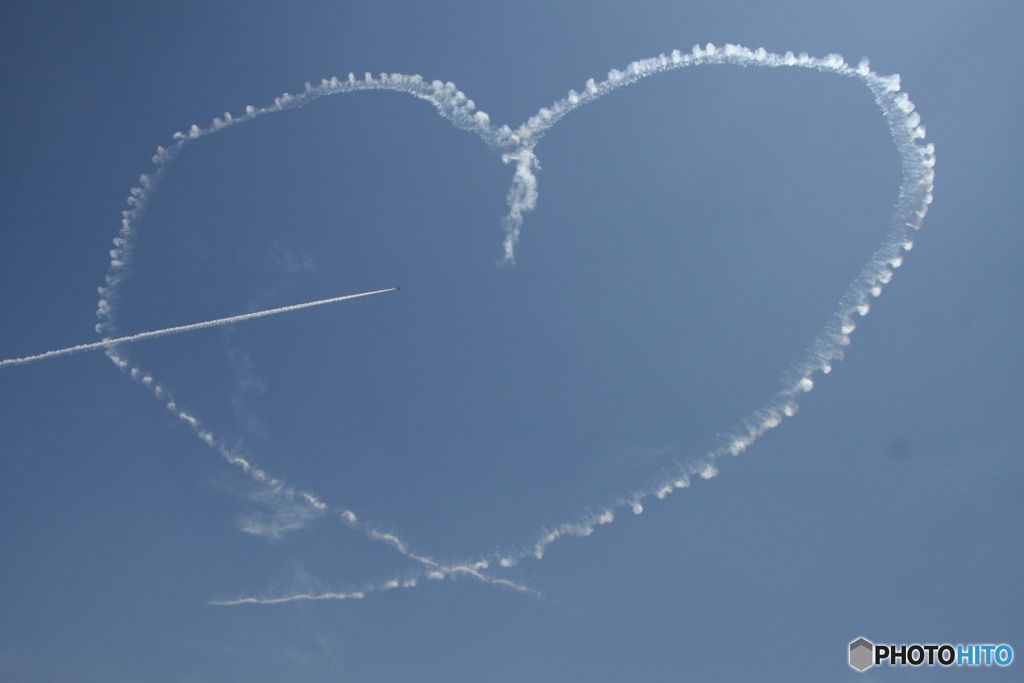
[107, 343]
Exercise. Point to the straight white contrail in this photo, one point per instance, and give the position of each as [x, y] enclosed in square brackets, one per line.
[107, 343]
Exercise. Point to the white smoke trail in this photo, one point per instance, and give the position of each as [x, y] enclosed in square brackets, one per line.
[917, 184]
[449, 102]
[429, 569]
[517, 146]
[291, 508]
[383, 587]
[107, 343]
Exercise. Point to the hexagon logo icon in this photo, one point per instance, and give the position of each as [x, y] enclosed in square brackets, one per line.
[862, 654]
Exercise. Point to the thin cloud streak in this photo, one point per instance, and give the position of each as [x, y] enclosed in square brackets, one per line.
[132, 338]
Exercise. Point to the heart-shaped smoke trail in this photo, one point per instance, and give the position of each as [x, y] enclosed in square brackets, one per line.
[293, 508]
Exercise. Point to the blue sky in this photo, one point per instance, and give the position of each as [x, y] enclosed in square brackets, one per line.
[693, 232]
